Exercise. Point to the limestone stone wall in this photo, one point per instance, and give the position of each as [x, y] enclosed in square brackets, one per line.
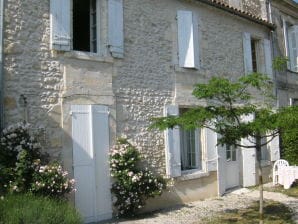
[30, 70]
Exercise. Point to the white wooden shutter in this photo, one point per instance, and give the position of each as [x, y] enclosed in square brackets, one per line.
[1, 30]
[172, 145]
[116, 32]
[286, 43]
[248, 158]
[83, 162]
[60, 24]
[268, 58]
[188, 41]
[90, 133]
[274, 149]
[211, 150]
[221, 170]
[101, 146]
[293, 47]
[247, 53]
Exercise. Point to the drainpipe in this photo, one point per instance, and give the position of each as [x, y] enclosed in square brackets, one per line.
[1, 64]
[272, 40]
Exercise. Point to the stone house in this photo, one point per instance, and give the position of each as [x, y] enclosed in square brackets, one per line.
[85, 72]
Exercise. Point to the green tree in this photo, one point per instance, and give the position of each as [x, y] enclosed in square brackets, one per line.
[288, 130]
[228, 104]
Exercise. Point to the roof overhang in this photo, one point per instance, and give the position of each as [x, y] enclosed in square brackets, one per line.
[243, 14]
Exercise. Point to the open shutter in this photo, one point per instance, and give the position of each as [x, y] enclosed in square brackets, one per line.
[293, 47]
[60, 25]
[188, 40]
[286, 42]
[268, 58]
[247, 53]
[1, 30]
[101, 145]
[116, 35]
[274, 149]
[248, 158]
[172, 145]
[211, 150]
[83, 162]
[221, 169]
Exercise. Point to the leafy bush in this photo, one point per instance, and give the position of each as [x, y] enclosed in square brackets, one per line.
[23, 167]
[132, 185]
[30, 209]
[289, 130]
[19, 155]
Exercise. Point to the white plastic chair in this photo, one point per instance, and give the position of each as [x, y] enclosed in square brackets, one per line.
[277, 164]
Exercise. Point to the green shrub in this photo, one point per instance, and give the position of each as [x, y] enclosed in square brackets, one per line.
[133, 185]
[23, 168]
[30, 209]
[289, 134]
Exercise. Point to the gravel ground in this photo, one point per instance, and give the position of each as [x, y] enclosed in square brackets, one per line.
[194, 212]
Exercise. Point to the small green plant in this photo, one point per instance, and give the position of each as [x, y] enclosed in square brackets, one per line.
[280, 63]
[132, 185]
[28, 209]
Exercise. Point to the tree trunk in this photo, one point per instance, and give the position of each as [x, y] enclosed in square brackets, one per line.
[261, 208]
[260, 173]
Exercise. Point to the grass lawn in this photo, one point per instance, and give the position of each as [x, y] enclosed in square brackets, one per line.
[292, 192]
[275, 213]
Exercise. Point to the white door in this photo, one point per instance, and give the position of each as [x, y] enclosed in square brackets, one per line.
[90, 134]
[232, 167]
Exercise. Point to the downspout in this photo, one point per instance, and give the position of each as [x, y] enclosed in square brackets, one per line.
[272, 40]
[1, 64]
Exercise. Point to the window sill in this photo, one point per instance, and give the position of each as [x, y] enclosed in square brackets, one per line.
[192, 174]
[177, 68]
[291, 71]
[265, 163]
[88, 56]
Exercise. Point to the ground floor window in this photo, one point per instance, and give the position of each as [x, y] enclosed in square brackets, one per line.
[191, 150]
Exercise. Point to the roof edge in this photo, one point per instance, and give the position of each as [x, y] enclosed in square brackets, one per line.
[239, 13]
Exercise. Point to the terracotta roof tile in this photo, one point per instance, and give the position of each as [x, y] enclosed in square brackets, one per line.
[238, 12]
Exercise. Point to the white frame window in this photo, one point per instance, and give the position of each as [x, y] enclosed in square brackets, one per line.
[191, 150]
[290, 32]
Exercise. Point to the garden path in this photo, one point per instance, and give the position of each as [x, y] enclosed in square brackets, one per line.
[195, 211]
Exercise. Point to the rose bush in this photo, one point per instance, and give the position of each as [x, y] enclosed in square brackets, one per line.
[133, 185]
[22, 163]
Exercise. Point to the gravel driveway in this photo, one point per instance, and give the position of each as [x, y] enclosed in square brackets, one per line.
[193, 212]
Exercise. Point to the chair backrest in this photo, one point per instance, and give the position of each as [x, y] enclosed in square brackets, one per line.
[279, 163]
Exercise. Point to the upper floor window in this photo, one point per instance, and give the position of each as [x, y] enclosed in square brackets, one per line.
[75, 26]
[293, 47]
[257, 55]
[85, 25]
[254, 54]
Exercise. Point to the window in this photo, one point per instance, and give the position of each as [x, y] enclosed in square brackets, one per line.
[231, 153]
[291, 45]
[294, 101]
[257, 55]
[85, 28]
[254, 55]
[190, 148]
[75, 26]
[265, 152]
